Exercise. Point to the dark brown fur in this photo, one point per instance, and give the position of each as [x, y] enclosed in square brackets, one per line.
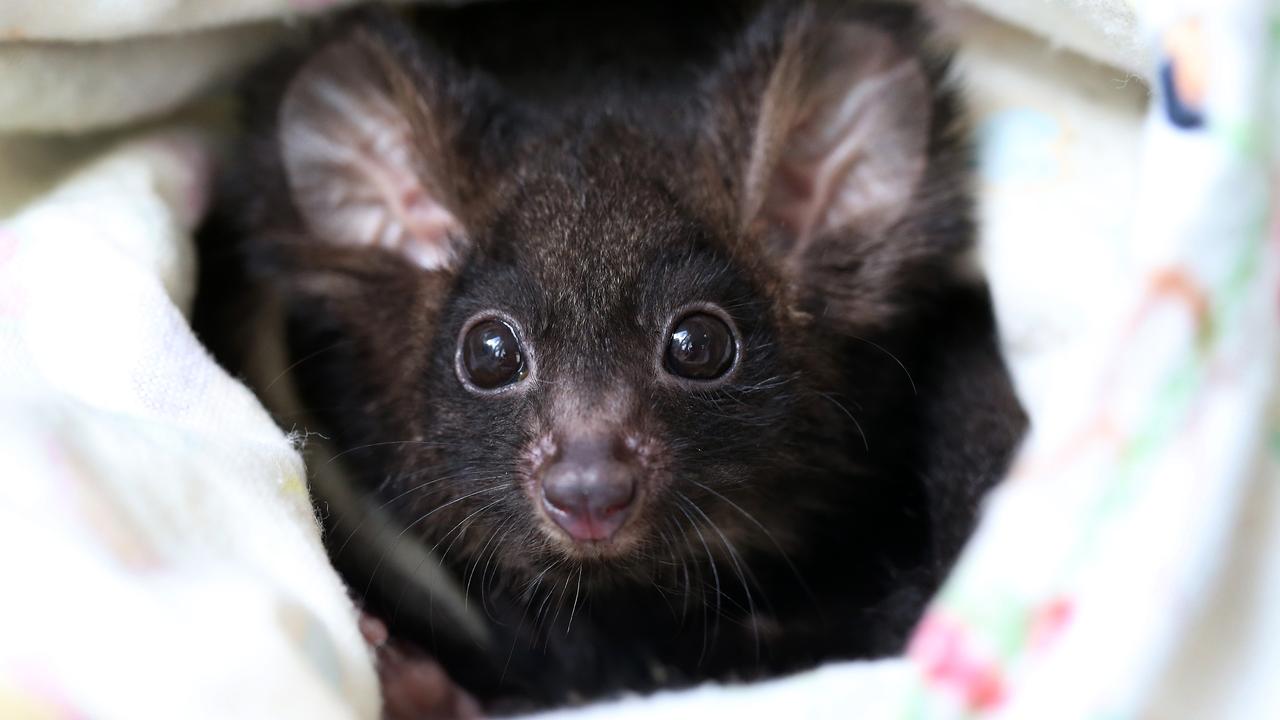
[599, 160]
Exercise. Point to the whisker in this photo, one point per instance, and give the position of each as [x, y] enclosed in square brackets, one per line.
[411, 525]
[358, 448]
[785, 557]
[470, 570]
[831, 399]
[461, 523]
[417, 488]
[484, 574]
[382, 506]
[576, 590]
[423, 559]
[309, 356]
[714, 574]
[742, 578]
[893, 357]
[559, 606]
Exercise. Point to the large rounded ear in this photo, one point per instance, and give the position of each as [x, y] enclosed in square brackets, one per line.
[367, 157]
[843, 135]
[839, 157]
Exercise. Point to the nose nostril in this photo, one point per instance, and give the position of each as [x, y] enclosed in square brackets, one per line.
[590, 502]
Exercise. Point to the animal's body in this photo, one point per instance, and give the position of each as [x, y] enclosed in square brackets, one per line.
[657, 321]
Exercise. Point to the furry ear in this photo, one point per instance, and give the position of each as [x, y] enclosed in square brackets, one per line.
[842, 138]
[365, 158]
[856, 182]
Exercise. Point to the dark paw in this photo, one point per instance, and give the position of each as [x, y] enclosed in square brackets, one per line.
[414, 686]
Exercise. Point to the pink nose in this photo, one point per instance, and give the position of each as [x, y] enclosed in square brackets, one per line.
[588, 491]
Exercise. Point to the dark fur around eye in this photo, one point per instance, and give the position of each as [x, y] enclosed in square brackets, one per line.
[656, 326]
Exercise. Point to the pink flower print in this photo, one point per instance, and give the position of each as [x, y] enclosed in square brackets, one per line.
[1048, 622]
[950, 662]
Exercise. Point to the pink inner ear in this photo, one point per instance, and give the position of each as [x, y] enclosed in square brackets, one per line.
[855, 152]
[349, 153]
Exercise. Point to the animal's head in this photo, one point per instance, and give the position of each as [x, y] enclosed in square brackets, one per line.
[610, 338]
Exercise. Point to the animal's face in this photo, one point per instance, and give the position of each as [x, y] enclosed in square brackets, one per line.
[611, 343]
[596, 382]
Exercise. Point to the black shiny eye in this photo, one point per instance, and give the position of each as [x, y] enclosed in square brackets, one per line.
[491, 355]
[701, 347]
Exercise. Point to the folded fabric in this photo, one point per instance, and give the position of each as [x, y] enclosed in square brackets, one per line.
[57, 72]
[160, 553]
[63, 87]
[86, 21]
[1103, 30]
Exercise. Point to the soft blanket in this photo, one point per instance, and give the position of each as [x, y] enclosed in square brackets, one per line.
[156, 538]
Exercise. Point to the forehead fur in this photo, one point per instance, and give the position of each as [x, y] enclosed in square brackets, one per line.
[600, 218]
